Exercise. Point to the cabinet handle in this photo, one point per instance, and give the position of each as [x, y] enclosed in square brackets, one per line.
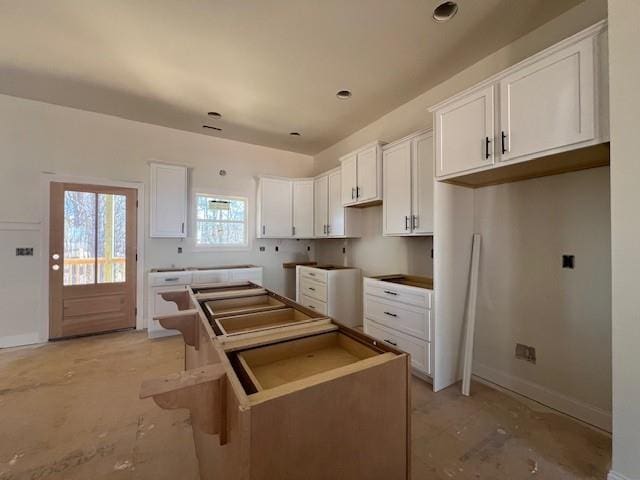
[328, 229]
[390, 342]
[172, 279]
[390, 314]
[264, 229]
[504, 150]
[389, 292]
[293, 231]
[353, 193]
[312, 289]
[311, 306]
[311, 274]
[357, 192]
[182, 228]
[406, 222]
[414, 221]
[486, 147]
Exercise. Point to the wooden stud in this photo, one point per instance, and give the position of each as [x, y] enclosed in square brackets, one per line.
[202, 390]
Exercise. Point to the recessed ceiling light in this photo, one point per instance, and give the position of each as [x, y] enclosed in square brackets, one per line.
[445, 11]
[214, 114]
[212, 128]
[295, 134]
[344, 94]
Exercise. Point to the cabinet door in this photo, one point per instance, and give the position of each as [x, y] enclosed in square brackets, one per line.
[336, 211]
[465, 133]
[320, 206]
[368, 174]
[422, 184]
[168, 216]
[276, 208]
[303, 208]
[548, 104]
[396, 166]
[348, 168]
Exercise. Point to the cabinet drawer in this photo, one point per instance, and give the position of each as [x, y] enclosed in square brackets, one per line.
[313, 304]
[419, 350]
[313, 289]
[418, 297]
[314, 274]
[179, 278]
[406, 318]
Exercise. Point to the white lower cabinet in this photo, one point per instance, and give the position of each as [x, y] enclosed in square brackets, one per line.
[402, 316]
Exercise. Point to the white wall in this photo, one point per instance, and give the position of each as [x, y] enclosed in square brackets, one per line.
[38, 137]
[624, 63]
[525, 296]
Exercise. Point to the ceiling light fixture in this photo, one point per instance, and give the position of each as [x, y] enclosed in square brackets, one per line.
[343, 94]
[214, 114]
[212, 128]
[295, 134]
[445, 11]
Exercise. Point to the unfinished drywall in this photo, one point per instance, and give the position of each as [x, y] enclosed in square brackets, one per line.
[624, 71]
[526, 296]
[37, 137]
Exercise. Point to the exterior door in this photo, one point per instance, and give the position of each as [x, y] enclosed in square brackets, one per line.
[396, 166]
[92, 259]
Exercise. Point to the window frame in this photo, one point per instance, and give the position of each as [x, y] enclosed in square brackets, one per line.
[246, 245]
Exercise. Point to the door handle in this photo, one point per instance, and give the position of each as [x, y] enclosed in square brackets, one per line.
[390, 342]
[486, 147]
[504, 137]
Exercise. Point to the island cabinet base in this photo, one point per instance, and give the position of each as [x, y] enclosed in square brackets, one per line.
[314, 401]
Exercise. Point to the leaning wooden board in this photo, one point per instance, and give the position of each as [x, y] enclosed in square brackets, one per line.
[302, 397]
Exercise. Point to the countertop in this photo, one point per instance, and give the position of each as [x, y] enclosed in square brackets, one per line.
[408, 280]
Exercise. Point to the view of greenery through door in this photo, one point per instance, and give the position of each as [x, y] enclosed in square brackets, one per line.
[94, 238]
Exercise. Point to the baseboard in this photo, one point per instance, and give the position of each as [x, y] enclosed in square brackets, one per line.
[616, 476]
[556, 400]
[19, 340]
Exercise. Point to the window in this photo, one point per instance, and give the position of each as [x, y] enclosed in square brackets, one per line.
[221, 221]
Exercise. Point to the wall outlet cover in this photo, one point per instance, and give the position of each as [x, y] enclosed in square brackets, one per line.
[568, 261]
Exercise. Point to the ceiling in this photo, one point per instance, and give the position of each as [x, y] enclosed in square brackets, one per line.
[269, 66]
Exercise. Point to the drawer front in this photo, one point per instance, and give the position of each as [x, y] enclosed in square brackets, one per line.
[178, 278]
[314, 274]
[419, 350]
[313, 289]
[418, 297]
[398, 316]
[313, 304]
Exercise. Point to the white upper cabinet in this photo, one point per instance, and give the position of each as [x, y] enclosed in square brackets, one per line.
[169, 201]
[408, 186]
[362, 176]
[275, 208]
[465, 132]
[332, 220]
[320, 205]
[552, 102]
[548, 104]
[303, 209]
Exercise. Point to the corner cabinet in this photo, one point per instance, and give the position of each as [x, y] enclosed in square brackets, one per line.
[331, 219]
[408, 186]
[550, 103]
[362, 176]
[168, 200]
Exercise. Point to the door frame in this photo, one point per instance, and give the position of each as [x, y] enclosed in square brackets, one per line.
[46, 179]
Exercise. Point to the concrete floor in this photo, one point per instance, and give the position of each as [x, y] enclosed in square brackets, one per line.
[70, 410]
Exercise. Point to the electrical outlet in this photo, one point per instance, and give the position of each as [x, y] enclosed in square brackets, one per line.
[24, 252]
[308, 248]
[262, 249]
[344, 250]
[525, 352]
[277, 248]
[568, 261]
[179, 249]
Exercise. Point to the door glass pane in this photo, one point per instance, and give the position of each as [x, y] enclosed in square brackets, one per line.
[112, 238]
[79, 238]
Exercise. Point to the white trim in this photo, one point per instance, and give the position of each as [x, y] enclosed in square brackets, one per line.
[19, 226]
[617, 476]
[195, 248]
[571, 406]
[20, 340]
[46, 179]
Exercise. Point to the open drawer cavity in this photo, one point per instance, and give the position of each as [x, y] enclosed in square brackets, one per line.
[241, 305]
[252, 322]
[266, 367]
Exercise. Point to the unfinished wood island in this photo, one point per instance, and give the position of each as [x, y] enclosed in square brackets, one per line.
[278, 391]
